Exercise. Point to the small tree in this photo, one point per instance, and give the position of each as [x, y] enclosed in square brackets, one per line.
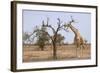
[42, 37]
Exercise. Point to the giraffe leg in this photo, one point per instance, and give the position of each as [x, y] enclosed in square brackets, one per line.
[83, 47]
[76, 53]
[81, 51]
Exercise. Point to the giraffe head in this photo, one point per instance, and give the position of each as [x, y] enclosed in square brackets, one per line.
[67, 25]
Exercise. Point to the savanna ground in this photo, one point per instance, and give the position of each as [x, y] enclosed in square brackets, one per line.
[31, 53]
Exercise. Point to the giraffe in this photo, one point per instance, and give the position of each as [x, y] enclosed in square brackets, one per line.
[78, 39]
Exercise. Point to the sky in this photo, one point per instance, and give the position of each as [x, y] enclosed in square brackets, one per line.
[33, 18]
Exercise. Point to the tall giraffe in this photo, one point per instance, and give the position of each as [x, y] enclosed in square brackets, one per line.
[78, 39]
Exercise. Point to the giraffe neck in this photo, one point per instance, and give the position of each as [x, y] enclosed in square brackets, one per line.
[76, 32]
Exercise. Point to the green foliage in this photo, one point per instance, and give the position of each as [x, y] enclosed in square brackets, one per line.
[42, 37]
[60, 39]
[25, 36]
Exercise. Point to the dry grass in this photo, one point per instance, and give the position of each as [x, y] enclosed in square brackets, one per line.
[64, 52]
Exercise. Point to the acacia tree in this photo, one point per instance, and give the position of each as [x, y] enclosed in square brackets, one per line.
[42, 37]
[40, 34]
[60, 26]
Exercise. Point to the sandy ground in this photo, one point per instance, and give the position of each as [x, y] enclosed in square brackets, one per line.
[64, 52]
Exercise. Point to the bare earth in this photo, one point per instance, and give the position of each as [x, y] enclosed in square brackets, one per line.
[64, 52]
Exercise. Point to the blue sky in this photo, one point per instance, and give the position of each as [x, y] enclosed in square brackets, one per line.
[32, 18]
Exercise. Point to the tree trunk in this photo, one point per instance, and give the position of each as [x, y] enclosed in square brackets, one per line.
[42, 49]
[54, 51]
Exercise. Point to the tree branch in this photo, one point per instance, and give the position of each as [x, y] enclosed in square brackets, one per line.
[64, 29]
[49, 26]
[59, 22]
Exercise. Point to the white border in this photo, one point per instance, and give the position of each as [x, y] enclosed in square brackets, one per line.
[21, 65]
